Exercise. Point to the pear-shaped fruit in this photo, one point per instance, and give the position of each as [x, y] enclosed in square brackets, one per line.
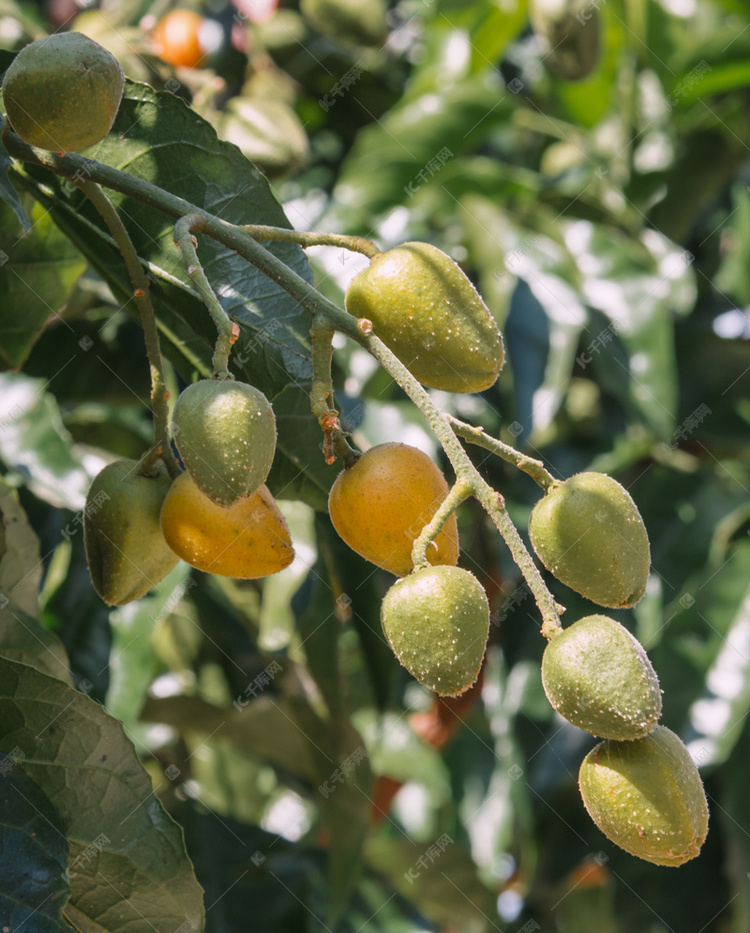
[381, 503]
[62, 93]
[597, 675]
[588, 532]
[225, 432]
[425, 309]
[126, 552]
[572, 32]
[647, 797]
[437, 621]
[247, 540]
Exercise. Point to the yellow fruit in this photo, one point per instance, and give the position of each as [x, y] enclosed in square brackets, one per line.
[647, 797]
[437, 622]
[125, 550]
[597, 675]
[248, 540]
[588, 532]
[62, 93]
[225, 432]
[425, 309]
[380, 505]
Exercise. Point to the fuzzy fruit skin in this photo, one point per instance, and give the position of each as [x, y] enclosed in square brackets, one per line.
[425, 309]
[437, 621]
[248, 540]
[589, 533]
[647, 797]
[125, 550]
[380, 505]
[597, 676]
[62, 93]
[225, 432]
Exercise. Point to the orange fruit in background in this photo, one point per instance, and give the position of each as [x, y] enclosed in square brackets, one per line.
[248, 540]
[381, 503]
[176, 38]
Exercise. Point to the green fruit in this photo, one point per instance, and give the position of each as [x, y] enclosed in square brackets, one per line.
[428, 313]
[126, 552]
[350, 22]
[225, 432]
[588, 532]
[597, 675]
[62, 93]
[647, 797]
[437, 621]
[572, 31]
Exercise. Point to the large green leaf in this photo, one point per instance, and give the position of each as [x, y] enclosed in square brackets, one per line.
[158, 138]
[37, 271]
[128, 864]
[34, 882]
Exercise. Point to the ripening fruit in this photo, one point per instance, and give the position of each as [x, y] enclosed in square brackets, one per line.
[437, 621]
[62, 93]
[225, 432]
[647, 797]
[125, 550]
[177, 38]
[425, 309]
[381, 504]
[248, 540]
[588, 532]
[597, 675]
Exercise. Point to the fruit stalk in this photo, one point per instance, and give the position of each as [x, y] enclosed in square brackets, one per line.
[458, 494]
[183, 237]
[356, 244]
[138, 277]
[321, 396]
[534, 468]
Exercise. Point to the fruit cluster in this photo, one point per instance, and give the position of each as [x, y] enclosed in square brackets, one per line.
[218, 515]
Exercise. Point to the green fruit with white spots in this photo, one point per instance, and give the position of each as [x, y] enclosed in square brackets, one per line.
[437, 622]
[62, 93]
[589, 533]
[647, 797]
[225, 432]
[425, 309]
[597, 675]
[125, 549]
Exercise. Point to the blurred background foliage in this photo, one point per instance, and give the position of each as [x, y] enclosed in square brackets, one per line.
[587, 163]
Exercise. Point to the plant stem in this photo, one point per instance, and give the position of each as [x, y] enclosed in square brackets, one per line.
[357, 244]
[159, 395]
[228, 332]
[322, 399]
[535, 468]
[458, 494]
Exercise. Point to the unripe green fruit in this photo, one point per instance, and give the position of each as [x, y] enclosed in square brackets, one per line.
[597, 675]
[225, 432]
[126, 552]
[572, 30]
[425, 309]
[647, 797]
[589, 534]
[437, 621]
[62, 93]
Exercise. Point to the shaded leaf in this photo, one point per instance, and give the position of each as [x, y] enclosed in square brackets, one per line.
[7, 192]
[22, 638]
[20, 561]
[127, 857]
[33, 882]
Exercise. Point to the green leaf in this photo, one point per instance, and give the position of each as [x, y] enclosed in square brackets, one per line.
[7, 192]
[158, 138]
[22, 638]
[33, 882]
[20, 561]
[34, 442]
[128, 864]
[39, 269]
